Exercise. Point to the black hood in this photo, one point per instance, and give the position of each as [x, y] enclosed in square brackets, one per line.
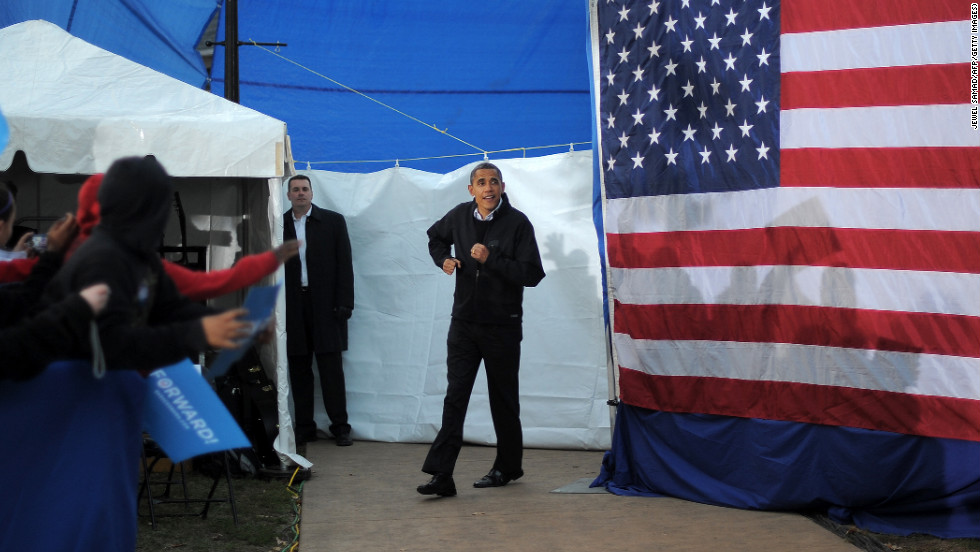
[135, 199]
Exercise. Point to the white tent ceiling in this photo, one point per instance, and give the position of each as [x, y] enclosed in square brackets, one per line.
[73, 108]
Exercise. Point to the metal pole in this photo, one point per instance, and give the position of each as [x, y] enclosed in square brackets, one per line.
[231, 50]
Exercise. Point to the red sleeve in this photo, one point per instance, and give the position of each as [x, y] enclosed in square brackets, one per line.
[199, 286]
[16, 270]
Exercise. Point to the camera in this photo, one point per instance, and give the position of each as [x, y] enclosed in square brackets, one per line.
[39, 242]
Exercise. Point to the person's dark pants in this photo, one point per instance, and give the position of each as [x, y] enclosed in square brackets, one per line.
[500, 349]
[330, 368]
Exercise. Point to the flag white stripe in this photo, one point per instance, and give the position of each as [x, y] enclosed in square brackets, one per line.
[874, 289]
[867, 208]
[916, 373]
[878, 127]
[899, 45]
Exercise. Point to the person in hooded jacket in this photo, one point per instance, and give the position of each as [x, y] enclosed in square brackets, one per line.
[147, 323]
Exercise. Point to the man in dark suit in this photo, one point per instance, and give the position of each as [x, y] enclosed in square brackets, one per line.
[319, 301]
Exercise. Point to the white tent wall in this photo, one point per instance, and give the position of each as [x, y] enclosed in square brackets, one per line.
[395, 364]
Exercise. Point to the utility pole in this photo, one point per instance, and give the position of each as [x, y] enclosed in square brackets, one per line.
[231, 44]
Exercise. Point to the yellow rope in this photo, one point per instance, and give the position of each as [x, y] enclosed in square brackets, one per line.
[396, 161]
[433, 127]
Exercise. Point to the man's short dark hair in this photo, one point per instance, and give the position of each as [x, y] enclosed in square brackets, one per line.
[289, 182]
[486, 165]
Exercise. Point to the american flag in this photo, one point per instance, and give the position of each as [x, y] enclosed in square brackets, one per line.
[791, 196]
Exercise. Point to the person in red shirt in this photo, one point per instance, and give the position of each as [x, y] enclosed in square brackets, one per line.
[193, 284]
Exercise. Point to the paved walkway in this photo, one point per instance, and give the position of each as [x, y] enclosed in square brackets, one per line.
[362, 498]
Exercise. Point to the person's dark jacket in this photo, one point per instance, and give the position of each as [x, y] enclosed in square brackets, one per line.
[491, 292]
[330, 271]
[146, 324]
[29, 343]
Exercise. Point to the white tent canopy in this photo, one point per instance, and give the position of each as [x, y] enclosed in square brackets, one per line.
[73, 108]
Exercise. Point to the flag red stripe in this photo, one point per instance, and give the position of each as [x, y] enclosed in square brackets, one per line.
[930, 416]
[912, 85]
[800, 16]
[789, 245]
[907, 332]
[880, 167]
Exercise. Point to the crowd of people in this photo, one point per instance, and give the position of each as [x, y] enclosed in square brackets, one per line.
[99, 292]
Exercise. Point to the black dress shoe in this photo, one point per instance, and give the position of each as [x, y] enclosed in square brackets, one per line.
[497, 478]
[440, 484]
[344, 440]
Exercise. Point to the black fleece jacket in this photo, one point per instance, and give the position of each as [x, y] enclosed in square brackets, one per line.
[490, 292]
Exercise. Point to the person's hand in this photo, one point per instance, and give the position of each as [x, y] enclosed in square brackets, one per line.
[450, 265]
[62, 232]
[225, 330]
[287, 250]
[343, 313]
[24, 243]
[96, 296]
[479, 252]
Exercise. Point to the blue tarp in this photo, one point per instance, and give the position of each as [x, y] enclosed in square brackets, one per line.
[880, 481]
[496, 75]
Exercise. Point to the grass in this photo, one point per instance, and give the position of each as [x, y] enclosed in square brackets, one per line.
[267, 511]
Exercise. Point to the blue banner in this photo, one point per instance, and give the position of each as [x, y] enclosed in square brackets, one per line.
[260, 304]
[185, 416]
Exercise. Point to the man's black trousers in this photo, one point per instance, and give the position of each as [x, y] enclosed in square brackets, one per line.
[499, 347]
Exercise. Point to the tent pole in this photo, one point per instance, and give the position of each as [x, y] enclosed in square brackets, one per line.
[231, 50]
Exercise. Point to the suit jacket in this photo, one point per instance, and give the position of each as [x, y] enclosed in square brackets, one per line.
[330, 271]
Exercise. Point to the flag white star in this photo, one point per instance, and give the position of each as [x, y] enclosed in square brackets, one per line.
[764, 12]
[670, 67]
[745, 82]
[637, 161]
[685, 3]
[611, 77]
[714, 40]
[623, 14]
[611, 120]
[654, 93]
[731, 151]
[763, 58]
[730, 62]
[762, 103]
[654, 49]
[623, 140]
[715, 86]
[638, 117]
[610, 36]
[623, 98]
[638, 31]
[654, 7]
[704, 155]
[699, 21]
[670, 23]
[670, 112]
[704, 110]
[730, 16]
[689, 133]
[671, 157]
[746, 37]
[702, 65]
[716, 131]
[624, 55]
[654, 137]
[687, 43]
[688, 90]
[639, 74]
[763, 150]
[730, 108]
[610, 163]
[746, 127]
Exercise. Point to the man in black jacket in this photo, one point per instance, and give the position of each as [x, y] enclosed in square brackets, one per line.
[496, 258]
[319, 301]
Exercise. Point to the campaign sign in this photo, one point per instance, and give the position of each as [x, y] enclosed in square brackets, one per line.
[260, 304]
[185, 416]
